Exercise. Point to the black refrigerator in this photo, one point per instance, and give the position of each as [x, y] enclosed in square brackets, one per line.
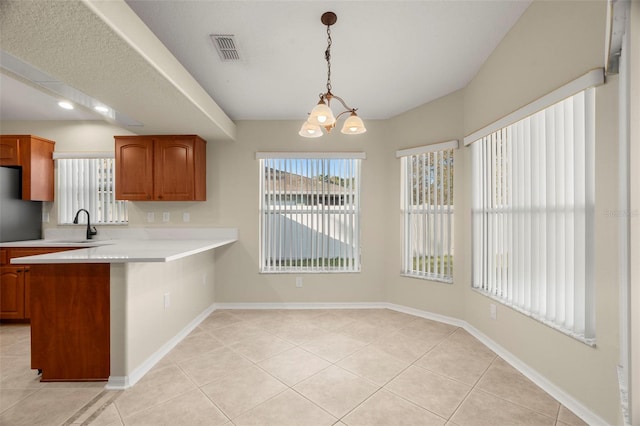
[19, 220]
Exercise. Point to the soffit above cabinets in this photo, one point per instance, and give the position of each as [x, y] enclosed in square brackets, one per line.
[103, 50]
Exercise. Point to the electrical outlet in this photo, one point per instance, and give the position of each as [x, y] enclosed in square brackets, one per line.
[166, 216]
[151, 217]
[493, 311]
[45, 217]
[298, 282]
[186, 217]
[204, 279]
[167, 300]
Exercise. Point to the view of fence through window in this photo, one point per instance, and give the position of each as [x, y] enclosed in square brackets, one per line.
[427, 208]
[310, 214]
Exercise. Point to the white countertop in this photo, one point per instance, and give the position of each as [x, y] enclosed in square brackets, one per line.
[126, 251]
[154, 246]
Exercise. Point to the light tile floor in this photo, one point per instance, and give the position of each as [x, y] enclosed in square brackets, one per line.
[294, 367]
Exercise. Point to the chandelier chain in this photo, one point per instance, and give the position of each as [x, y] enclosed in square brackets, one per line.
[327, 56]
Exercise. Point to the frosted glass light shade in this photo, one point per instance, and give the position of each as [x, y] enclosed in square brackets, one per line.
[353, 125]
[321, 115]
[309, 130]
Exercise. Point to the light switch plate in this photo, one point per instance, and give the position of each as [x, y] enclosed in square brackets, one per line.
[166, 216]
[150, 217]
[186, 217]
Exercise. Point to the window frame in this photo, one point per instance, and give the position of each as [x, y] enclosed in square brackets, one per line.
[513, 193]
[69, 204]
[274, 260]
[426, 216]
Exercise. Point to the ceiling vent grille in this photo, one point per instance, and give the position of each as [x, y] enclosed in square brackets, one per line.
[226, 46]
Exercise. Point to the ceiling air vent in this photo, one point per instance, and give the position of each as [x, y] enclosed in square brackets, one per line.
[226, 46]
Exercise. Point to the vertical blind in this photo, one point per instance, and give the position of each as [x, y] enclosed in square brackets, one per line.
[88, 183]
[533, 208]
[310, 214]
[427, 211]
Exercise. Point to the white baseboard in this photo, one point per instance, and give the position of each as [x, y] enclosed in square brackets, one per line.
[428, 315]
[541, 381]
[124, 382]
[118, 383]
[354, 305]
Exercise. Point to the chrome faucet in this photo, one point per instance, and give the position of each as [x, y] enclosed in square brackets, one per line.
[90, 232]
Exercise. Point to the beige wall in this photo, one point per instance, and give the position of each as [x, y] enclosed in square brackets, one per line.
[438, 121]
[141, 326]
[236, 204]
[69, 136]
[553, 43]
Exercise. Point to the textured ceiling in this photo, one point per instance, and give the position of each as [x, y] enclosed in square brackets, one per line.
[154, 60]
[76, 46]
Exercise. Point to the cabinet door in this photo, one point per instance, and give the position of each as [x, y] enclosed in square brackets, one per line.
[26, 275]
[134, 168]
[11, 292]
[9, 151]
[37, 168]
[35, 155]
[174, 169]
[70, 321]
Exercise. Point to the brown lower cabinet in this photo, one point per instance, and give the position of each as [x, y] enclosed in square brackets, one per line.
[15, 281]
[68, 307]
[70, 322]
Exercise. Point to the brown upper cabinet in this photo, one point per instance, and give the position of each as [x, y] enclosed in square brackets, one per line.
[161, 168]
[35, 155]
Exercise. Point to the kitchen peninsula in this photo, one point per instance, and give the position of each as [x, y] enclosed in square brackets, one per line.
[113, 310]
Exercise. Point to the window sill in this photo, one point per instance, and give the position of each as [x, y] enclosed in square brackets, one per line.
[436, 278]
[587, 341]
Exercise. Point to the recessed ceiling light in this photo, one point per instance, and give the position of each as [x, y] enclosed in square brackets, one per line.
[65, 105]
[101, 108]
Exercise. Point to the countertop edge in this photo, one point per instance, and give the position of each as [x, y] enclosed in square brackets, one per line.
[125, 251]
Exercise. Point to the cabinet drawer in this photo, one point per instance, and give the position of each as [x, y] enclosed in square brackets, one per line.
[4, 257]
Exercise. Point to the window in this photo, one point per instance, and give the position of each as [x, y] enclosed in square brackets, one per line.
[427, 211]
[309, 212]
[88, 183]
[533, 201]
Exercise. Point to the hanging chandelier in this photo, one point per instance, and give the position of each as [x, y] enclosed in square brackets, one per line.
[321, 115]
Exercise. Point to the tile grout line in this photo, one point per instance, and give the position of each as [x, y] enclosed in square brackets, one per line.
[367, 345]
[100, 410]
[82, 410]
